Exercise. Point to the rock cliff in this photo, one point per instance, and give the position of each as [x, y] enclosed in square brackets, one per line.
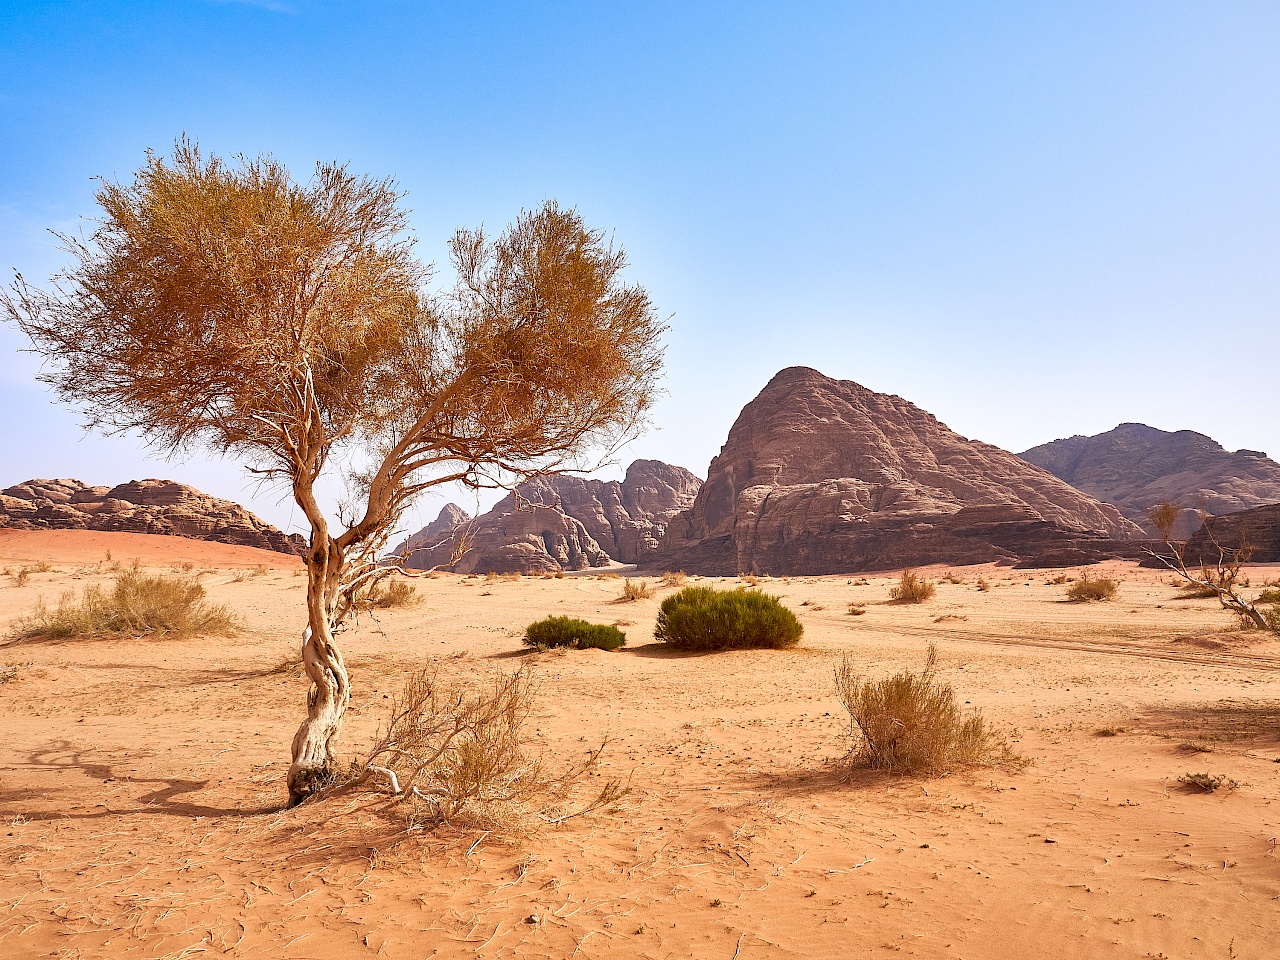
[140, 506]
[562, 522]
[825, 476]
[1136, 467]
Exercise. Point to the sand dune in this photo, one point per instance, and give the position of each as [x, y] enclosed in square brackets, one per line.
[141, 782]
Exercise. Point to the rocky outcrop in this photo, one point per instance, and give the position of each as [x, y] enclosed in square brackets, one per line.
[1259, 528]
[140, 506]
[825, 476]
[1136, 467]
[562, 522]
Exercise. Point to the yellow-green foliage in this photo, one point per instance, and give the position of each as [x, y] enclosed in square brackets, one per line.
[1089, 588]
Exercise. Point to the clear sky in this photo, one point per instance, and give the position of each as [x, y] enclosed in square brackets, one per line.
[1031, 219]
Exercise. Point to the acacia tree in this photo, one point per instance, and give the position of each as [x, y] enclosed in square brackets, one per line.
[1222, 578]
[225, 305]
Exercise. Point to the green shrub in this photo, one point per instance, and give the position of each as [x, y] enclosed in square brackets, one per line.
[570, 632]
[1089, 588]
[911, 588]
[703, 618]
[137, 603]
[1269, 596]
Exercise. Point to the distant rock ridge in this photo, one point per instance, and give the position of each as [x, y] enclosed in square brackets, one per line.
[163, 507]
[1136, 467]
[826, 476]
[561, 522]
[1259, 527]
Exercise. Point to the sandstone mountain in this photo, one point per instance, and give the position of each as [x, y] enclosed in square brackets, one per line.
[140, 506]
[562, 523]
[1136, 467]
[825, 476]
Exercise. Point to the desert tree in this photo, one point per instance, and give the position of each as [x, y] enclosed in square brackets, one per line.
[227, 306]
[1219, 576]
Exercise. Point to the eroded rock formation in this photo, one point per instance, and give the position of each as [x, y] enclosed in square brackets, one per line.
[562, 523]
[825, 476]
[1136, 467]
[140, 506]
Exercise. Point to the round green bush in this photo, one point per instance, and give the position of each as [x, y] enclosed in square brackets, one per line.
[702, 618]
[569, 632]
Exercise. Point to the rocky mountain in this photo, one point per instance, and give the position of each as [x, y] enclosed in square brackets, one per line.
[1259, 527]
[562, 522]
[140, 506]
[825, 476]
[1136, 467]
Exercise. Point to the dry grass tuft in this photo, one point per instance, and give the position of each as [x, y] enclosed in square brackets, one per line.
[982, 585]
[1207, 782]
[1089, 588]
[911, 588]
[137, 604]
[636, 590]
[251, 574]
[461, 757]
[397, 593]
[950, 577]
[857, 609]
[913, 723]
[676, 578]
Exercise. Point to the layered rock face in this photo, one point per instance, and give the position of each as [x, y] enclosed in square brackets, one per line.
[1136, 467]
[562, 523]
[825, 476]
[140, 506]
[1259, 527]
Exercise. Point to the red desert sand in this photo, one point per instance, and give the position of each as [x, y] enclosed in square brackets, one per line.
[142, 780]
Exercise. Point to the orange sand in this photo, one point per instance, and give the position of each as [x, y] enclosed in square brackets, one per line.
[141, 780]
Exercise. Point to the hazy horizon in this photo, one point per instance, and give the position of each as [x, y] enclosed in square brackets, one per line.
[1032, 223]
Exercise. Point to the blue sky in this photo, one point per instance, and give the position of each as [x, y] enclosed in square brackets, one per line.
[1033, 220]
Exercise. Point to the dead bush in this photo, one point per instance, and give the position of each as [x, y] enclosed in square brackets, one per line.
[857, 609]
[1207, 782]
[462, 758]
[982, 585]
[1090, 588]
[675, 578]
[911, 588]
[136, 604]
[397, 593]
[912, 722]
[950, 577]
[636, 590]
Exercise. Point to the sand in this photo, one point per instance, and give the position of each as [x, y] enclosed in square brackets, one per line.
[141, 781]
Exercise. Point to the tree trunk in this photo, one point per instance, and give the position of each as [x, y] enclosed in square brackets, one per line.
[314, 755]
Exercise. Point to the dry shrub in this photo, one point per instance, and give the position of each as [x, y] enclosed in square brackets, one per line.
[8, 673]
[1059, 580]
[1207, 782]
[137, 604]
[982, 586]
[636, 590]
[1089, 588]
[609, 575]
[675, 578]
[950, 577]
[703, 618]
[397, 593]
[913, 723]
[911, 588]
[1269, 596]
[1197, 591]
[857, 609]
[20, 579]
[571, 632]
[749, 579]
[252, 574]
[462, 757]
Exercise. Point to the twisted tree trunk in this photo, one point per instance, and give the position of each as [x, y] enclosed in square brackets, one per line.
[314, 753]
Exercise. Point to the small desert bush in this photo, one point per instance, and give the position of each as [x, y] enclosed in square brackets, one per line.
[674, 578]
[950, 577]
[137, 603]
[636, 590]
[251, 574]
[703, 618]
[1207, 782]
[982, 585]
[913, 723]
[570, 632]
[857, 609]
[1269, 596]
[1059, 580]
[1197, 591]
[20, 579]
[911, 588]
[397, 593]
[462, 757]
[1090, 588]
[8, 673]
